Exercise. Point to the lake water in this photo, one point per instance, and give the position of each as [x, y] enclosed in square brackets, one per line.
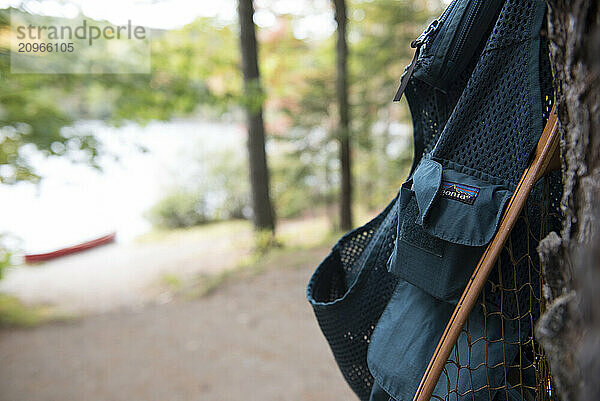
[75, 202]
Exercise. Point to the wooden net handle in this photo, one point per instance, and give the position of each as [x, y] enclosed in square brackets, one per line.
[544, 161]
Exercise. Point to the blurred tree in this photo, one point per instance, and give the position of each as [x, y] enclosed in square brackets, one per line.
[381, 34]
[263, 216]
[343, 130]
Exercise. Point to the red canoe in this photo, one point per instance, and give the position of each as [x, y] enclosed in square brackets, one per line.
[41, 257]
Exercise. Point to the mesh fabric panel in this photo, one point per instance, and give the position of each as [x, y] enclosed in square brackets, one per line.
[485, 131]
[431, 109]
[349, 292]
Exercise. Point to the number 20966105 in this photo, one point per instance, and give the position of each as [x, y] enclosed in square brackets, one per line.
[46, 47]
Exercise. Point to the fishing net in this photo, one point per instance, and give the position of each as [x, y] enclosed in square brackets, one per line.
[511, 298]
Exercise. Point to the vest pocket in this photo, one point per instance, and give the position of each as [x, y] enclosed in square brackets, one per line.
[462, 29]
[411, 327]
[446, 219]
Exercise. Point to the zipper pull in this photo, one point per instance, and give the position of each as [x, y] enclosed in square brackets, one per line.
[406, 76]
[416, 44]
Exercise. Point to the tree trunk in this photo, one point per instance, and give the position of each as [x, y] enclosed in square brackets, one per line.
[570, 329]
[263, 215]
[344, 116]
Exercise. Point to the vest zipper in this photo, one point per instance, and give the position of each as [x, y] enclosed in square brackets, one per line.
[416, 44]
[447, 11]
[463, 34]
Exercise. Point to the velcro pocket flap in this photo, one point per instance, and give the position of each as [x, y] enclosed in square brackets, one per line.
[463, 209]
[445, 220]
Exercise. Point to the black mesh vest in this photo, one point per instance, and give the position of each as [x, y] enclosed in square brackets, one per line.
[384, 294]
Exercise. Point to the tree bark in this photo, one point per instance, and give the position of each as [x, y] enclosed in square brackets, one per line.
[344, 116]
[263, 216]
[570, 328]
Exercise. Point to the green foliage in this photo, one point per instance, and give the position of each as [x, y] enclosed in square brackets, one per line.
[264, 241]
[226, 178]
[179, 210]
[380, 32]
[196, 65]
[172, 281]
[192, 66]
[195, 70]
[9, 245]
[5, 260]
[383, 30]
[219, 190]
[34, 110]
[13, 313]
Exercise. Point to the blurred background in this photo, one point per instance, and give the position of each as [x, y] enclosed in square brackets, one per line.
[191, 297]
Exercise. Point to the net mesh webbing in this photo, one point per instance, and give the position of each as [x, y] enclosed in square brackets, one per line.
[512, 297]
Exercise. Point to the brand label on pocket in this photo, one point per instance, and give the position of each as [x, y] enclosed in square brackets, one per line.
[459, 192]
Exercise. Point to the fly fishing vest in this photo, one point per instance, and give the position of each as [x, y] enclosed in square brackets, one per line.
[479, 91]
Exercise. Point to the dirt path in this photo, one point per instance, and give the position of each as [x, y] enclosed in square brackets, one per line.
[255, 339]
[131, 275]
[123, 275]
